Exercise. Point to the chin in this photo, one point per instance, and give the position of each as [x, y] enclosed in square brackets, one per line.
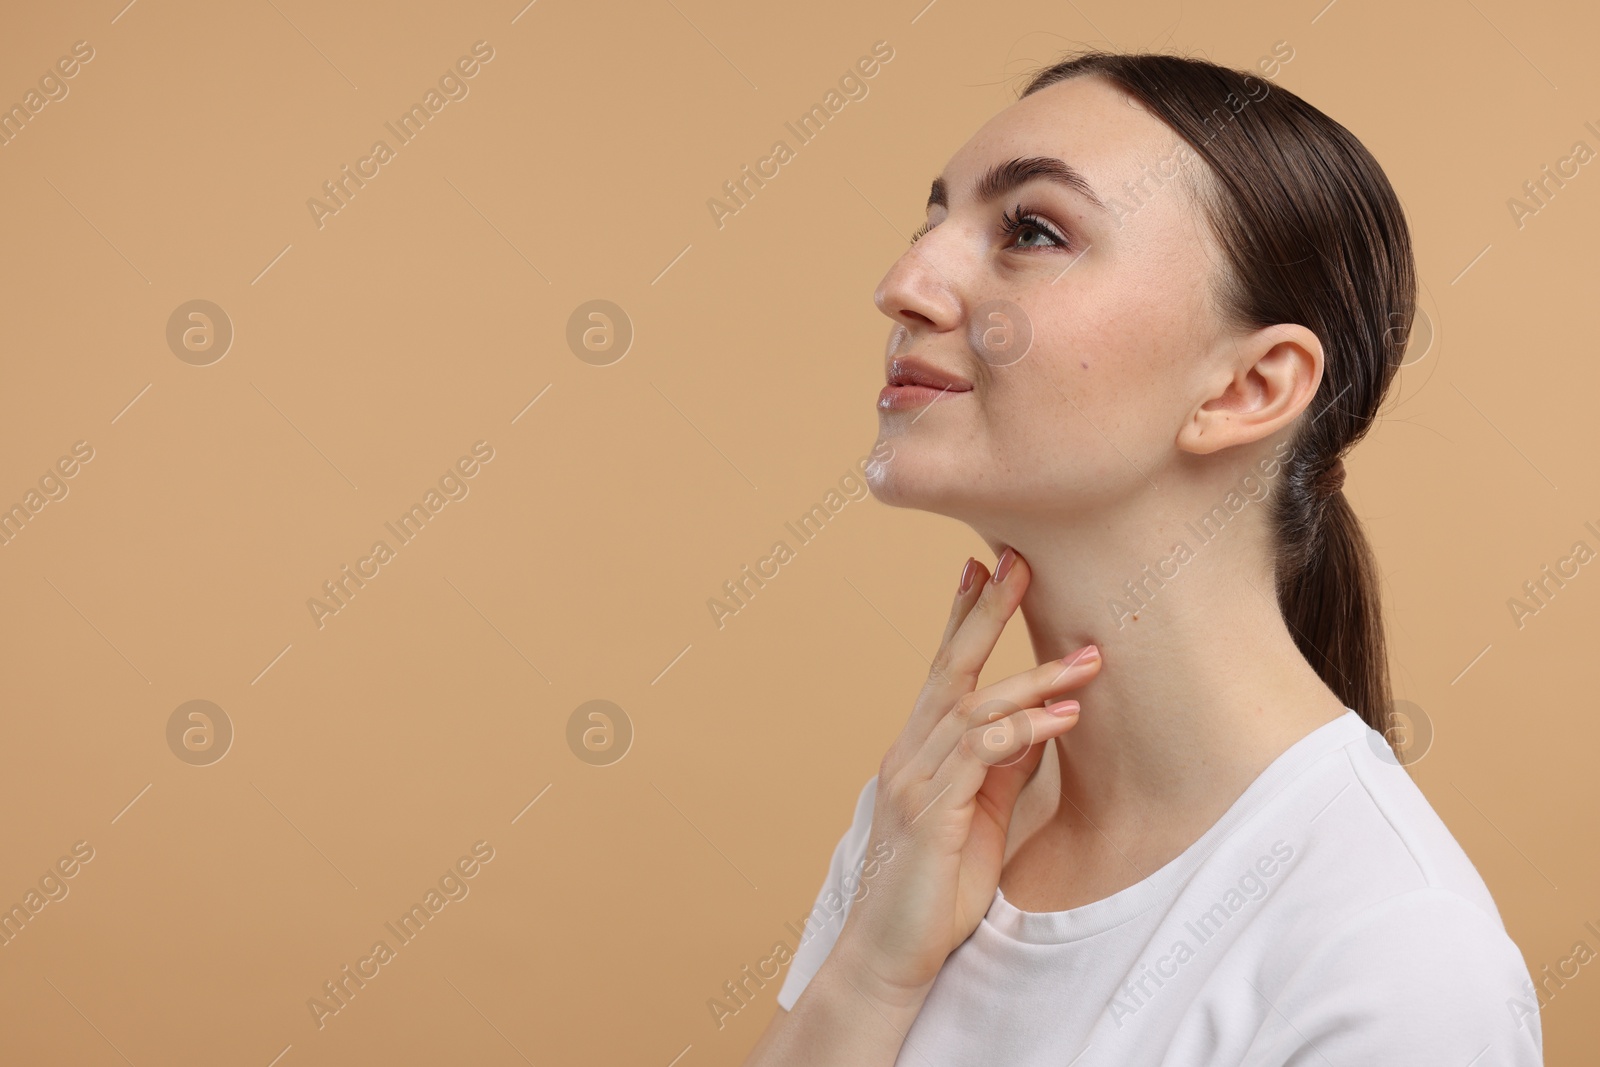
[886, 487]
[912, 481]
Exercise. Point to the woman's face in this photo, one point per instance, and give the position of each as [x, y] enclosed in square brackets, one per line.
[1125, 342]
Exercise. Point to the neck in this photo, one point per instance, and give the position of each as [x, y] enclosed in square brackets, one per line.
[1202, 684]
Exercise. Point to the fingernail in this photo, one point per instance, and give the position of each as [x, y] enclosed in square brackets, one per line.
[1064, 707]
[1086, 654]
[967, 573]
[1007, 558]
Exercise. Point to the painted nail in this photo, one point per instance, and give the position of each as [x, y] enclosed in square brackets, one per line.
[1086, 654]
[1002, 568]
[967, 574]
[1064, 707]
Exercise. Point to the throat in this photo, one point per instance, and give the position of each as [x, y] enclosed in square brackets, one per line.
[1057, 869]
[1056, 860]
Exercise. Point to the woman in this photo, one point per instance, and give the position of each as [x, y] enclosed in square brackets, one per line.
[1154, 304]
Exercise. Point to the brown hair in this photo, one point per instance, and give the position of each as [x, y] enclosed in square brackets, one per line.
[1314, 235]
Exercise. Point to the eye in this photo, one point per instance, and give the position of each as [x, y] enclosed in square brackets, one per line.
[920, 232]
[1026, 226]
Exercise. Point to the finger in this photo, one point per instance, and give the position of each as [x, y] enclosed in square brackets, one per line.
[1031, 688]
[1009, 749]
[974, 579]
[974, 575]
[931, 702]
[1037, 685]
[972, 637]
[1005, 781]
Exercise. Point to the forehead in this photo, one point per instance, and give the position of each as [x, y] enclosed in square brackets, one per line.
[1088, 122]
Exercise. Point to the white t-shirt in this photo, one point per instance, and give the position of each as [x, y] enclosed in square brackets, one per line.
[1328, 918]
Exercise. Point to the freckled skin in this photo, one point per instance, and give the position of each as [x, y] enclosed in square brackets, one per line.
[1137, 297]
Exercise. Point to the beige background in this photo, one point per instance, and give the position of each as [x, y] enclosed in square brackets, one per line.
[369, 354]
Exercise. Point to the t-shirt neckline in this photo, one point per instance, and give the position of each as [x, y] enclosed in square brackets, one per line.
[1087, 920]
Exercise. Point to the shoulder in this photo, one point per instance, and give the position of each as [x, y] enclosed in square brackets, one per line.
[1369, 833]
[1390, 947]
[1425, 976]
[1404, 820]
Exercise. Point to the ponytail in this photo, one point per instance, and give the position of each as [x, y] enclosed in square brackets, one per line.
[1328, 593]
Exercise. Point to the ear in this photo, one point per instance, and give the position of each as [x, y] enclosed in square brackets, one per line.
[1262, 383]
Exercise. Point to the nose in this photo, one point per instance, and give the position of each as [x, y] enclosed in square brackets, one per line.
[917, 291]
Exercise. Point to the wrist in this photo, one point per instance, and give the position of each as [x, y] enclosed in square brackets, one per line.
[895, 1001]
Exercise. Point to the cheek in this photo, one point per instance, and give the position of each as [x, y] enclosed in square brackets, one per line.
[1068, 363]
[1037, 415]
[1114, 356]
[1085, 398]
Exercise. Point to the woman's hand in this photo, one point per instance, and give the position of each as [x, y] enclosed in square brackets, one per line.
[947, 787]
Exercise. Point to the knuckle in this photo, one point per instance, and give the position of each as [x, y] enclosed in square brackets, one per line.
[887, 791]
[946, 668]
[895, 798]
[999, 737]
[982, 710]
[990, 743]
[967, 708]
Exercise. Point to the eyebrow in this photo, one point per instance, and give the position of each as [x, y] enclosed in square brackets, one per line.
[1004, 177]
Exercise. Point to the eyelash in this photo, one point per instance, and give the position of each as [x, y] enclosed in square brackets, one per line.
[1010, 223]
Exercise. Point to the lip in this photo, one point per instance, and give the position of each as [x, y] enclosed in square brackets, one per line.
[914, 370]
[913, 382]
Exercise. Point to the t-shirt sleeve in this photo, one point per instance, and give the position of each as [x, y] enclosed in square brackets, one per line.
[1423, 977]
[826, 918]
